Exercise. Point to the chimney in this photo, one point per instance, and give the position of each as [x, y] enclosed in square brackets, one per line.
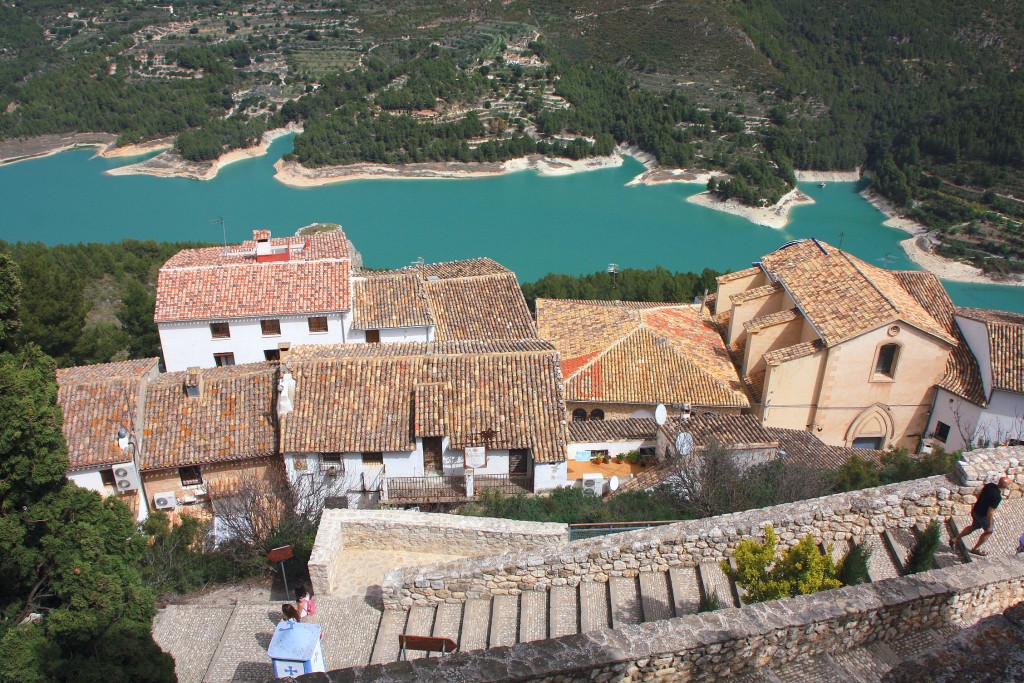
[193, 382]
[262, 238]
[283, 350]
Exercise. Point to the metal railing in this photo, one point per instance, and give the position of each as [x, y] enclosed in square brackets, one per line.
[579, 531]
[452, 488]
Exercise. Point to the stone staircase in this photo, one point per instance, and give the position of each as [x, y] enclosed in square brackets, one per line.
[563, 610]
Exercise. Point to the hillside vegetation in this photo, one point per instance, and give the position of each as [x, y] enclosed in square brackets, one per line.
[925, 96]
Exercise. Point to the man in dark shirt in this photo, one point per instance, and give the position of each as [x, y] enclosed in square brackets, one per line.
[983, 514]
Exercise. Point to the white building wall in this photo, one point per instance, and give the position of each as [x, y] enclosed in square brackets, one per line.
[613, 447]
[191, 344]
[959, 414]
[1001, 421]
[976, 334]
[89, 479]
[394, 335]
[550, 475]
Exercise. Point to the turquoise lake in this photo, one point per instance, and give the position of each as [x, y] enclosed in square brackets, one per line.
[534, 225]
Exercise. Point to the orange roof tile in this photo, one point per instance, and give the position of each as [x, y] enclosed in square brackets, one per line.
[377, 397]
[1005, 346]
[621, 352]
[211, 283]
[97, 401]
[392, 300]
[233, 418]
[844, 297]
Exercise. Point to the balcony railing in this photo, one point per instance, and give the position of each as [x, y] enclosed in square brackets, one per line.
[452, 488]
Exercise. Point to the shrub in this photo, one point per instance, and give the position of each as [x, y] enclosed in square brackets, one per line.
[853, 569]
[765, 576]
[709, 603]
[922, 557]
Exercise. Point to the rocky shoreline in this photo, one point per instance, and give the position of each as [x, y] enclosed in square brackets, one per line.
[775, 216]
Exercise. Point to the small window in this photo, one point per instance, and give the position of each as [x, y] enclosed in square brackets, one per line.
[270, 328]
[596, 414]
[223, 359]
[220, 330]
[318, 324]
[190, 476]
[107, 476]
[373, 336]
[870, 443]
[579, 415]
[518, 460]
[373, 458]
[272, 354]
[330, 463]
[941, 432]
[886, 363]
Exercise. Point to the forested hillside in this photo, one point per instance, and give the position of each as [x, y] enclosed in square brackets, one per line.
[925, 96]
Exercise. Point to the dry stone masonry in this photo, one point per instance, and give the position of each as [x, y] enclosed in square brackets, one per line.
[830, 519]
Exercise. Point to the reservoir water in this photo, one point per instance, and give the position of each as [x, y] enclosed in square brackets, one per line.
[534, 225]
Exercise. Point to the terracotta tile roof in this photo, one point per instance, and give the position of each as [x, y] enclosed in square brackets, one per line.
[628, 429]
[620, 352]
[746, 272]
[764, 321]
[477, 299]
[377, 397]
[801, 350]
[705, 427]
[483, 307]
[844, 297]
[962, 376]
[232, 419]
[805, 448]
[211, 284]
[97, 400]
[393, 300]
[1005, 346]
[755, 293]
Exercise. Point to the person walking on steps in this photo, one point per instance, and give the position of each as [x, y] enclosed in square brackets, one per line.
[983, 514]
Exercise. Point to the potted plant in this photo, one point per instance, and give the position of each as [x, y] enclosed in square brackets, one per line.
[619, 457]
[633, 457]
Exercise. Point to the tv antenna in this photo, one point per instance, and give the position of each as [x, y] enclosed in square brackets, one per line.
[613, 268]
[223, 229]
[842, 236]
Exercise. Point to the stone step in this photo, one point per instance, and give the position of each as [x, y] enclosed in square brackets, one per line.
[900, 543]
[448, 620]
[504, 620]
[880, 565]
[865, 664]
[685, 590]
[533, 616]
[655, 597]
[958, 524]
[420, 623]
[739, 593]
[944, 556]
[563, 611]
[713, 581]
[385, 647]
[593, 606]
[625, 601]
[476, 622]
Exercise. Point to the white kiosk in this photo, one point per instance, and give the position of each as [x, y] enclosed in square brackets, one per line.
[295, 649]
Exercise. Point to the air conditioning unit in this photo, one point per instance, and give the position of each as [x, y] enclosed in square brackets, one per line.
[593, 484]
[126, 477]
[165, 501]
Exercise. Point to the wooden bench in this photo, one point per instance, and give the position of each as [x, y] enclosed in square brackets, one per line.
[426, 644]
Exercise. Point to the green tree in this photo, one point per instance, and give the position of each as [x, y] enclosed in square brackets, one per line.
[10, 298]
[853, 569]
[136, 318]
[766, 575]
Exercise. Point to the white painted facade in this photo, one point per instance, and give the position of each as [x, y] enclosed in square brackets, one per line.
[394, 335]
[613, 447]
[192, 344]
[550, 475]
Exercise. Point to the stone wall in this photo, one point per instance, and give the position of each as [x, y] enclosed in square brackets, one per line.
[828, 519]
[423, 532]
[717, 646]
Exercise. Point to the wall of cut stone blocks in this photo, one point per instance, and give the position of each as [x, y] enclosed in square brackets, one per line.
[403, 530]
[830, 519]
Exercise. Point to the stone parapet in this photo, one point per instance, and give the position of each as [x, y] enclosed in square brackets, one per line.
[400, 530]
[718, 646]
[835, 518]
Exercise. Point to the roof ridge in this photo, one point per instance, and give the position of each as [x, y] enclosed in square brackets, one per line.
[600, 354]
[692, 366]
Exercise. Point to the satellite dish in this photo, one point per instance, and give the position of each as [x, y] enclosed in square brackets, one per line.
[613, 483]
[660, 414]
[684, 443]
